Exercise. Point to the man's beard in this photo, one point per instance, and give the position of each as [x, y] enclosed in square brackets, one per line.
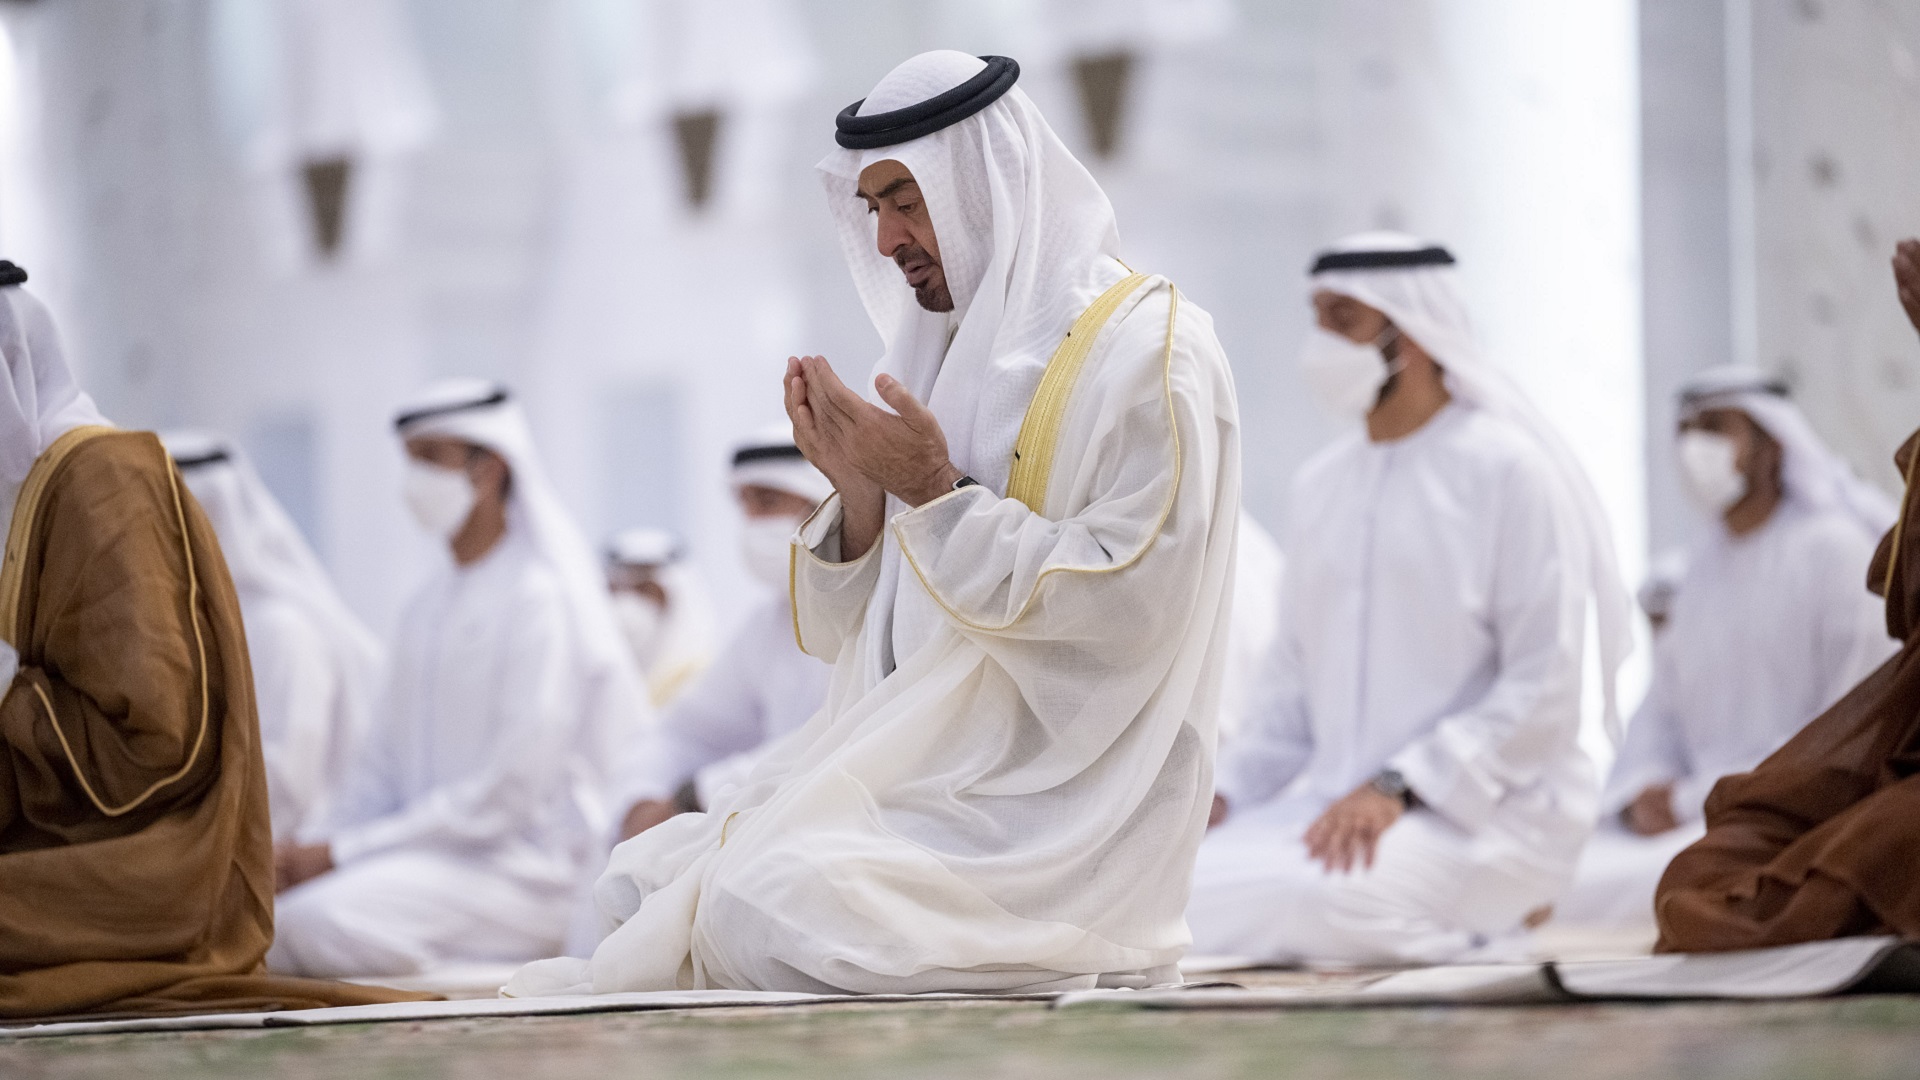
[934, 295]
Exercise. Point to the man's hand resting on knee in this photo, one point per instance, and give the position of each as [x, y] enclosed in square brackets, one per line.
[644, 815]
[1347, 834]
[1651, 812]
[297, 863]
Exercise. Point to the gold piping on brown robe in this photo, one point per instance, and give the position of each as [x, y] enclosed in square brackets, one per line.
[136, 868]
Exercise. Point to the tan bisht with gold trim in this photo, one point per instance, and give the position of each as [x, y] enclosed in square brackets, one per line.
[136, 867]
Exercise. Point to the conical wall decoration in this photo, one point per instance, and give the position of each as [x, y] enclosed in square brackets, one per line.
[1104, 80]
[697, 132]
[328, 182]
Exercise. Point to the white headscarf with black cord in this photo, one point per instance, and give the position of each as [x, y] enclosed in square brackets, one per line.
[1425, 301]
[41, 401]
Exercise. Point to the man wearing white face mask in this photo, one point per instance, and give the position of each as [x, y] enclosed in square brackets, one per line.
[481, 795]
[661, 608]
[760, 686]
[1410, 785]
[1773, 624]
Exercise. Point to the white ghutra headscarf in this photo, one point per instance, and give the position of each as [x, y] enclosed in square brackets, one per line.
[41, 401]
[1427, 304]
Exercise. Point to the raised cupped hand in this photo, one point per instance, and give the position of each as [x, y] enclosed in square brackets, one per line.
[903, 452]
[1906, 278]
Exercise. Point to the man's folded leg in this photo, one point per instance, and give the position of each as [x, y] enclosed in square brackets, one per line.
[1426, 899]
[403, 913]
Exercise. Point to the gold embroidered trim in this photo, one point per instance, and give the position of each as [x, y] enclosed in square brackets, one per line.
[1166, 509]
[26, 510]
[1040, 429]
[1900, 524]
[11, 594]
[793, 590]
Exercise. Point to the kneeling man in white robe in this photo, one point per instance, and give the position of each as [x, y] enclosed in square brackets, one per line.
[1411, 785]
[473, 809]
[1022, 584]
[1772, 625]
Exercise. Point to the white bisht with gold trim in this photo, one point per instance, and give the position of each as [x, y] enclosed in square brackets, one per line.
[1013, 769]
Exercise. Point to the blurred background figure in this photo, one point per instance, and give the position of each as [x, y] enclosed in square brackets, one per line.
[760, 686]
[476, 804]
[316, 667]
[1258, 569]
[662, 609]
[1773, 625]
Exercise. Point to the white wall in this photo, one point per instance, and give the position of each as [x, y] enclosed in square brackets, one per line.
[544, 245]
[1836, 168]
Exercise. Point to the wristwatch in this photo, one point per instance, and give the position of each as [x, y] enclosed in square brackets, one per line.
[1390, 783]
[965, 481]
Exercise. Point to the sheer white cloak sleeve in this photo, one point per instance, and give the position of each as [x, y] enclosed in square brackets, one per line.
[829, 596]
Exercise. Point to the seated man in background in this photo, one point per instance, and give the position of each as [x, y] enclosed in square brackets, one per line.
[136, 868]
[480, 797]
[662, 610]
[1771, 628]
[316, 667]
[760, 686]
[1411, 784]
[1818, 841]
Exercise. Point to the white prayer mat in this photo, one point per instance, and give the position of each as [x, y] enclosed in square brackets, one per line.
[455, 981]
[649, 1001]
[1817, 969]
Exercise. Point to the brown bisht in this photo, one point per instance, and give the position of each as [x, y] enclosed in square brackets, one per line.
[136, 863]
[1821, 840]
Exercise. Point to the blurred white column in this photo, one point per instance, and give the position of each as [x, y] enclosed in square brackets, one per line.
[663, 326]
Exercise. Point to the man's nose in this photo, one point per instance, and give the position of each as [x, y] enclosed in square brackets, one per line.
[891, 237]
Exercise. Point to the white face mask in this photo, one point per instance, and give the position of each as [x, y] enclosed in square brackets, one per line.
[764, 544]
[641, 622]
[1344, 375]
[1710, 466]
[440, 498]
